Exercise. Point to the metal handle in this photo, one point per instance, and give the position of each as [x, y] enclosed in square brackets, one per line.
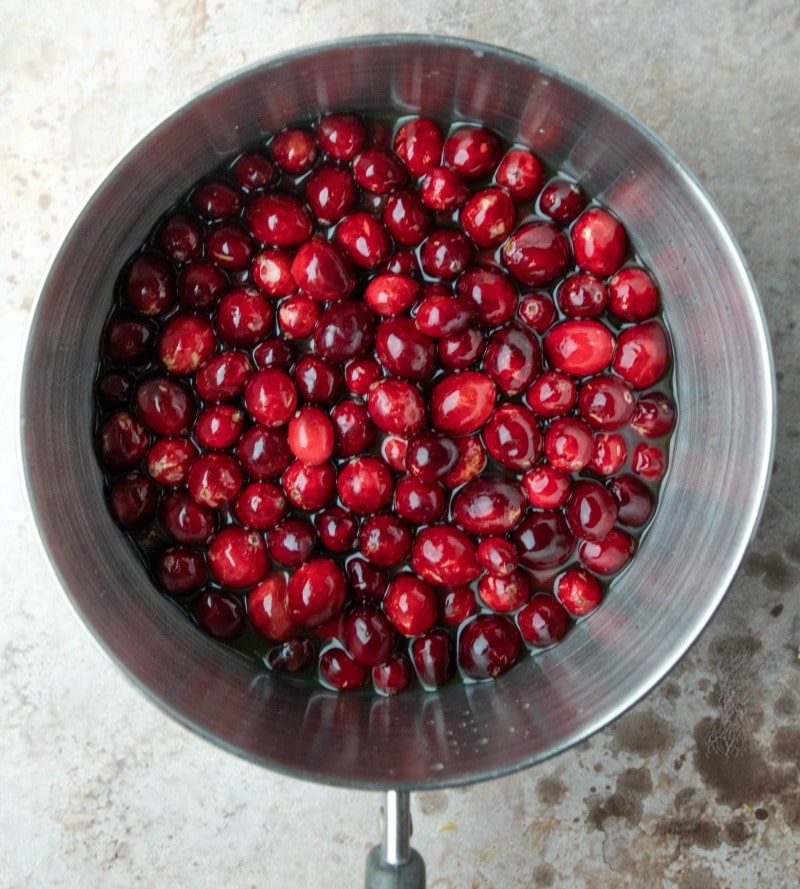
[394, 864]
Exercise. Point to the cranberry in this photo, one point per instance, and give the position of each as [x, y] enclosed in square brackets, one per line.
[272, 272]
[292, 542]
[123, 442]
[185, 520]
[128, 338]
[458, 604]
[512, 359]
[488, 216]
[599, 242]
[180, 237]
[642, 355]
[579, 591]
[462, 402]
[165, 406]
[537, 311]
[298, 316]
[364, 239]
[368, 635]
[214, 479]
[114, 388]
[419, 502]
[340, 670]
[238, 557]
[353, 431]
[367, 581]
[649, 462]
[361, 373]
[403, 350]
[591, 510]
[279, 220]
[492, 293]
[582, 296]
[444, 555]
[431, 456]
[318, 381]
[654, 415]
[632, 295]
[385, 540]
[223, 376]
[471, 463]
[489, 506]
[609, 453]
[180, 571]
[378, 171]
[634, 499]
[216, 200]
[316, 592]
[568, 444]
[537, 253]
[406, 217]
[260, 505]
[521, 173]
[411, 605]
[311, 436]
[546, 486]
[393, 675]
[581, 348]
[253, 171]
[460, 351]
[513, 437]
[443, 189]
[331, 193]
[445, 253]
[292, 656]
[507, 592]
[552, 394]
[294, 150]
[219, 426]
[229, 246]
[270, 397]
[323, 271]
[543, 540]
[473, 151]
[200, 284]
[341, 135]
[266, 608]
[133, 499]
[396, 406]
[488, 646]
[337, 529]
[434, 658]
[562, 201]
[309, 486]
[498, 556]
[243, 317]
[393, 452]
[365, 485]
[220, 614]
[390, 294]
[606, 402]
[609, 555]
[418, 143]
[169, 459]
[441, 315]
[263, 452]
[543, 621]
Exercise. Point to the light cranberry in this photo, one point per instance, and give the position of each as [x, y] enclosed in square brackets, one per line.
[378, 171]
[439, 314]
[181, 571]
[309, 486]
[292, 542]
[337, 529]
[632, 295]
[419, 502]
[253, 171]
[488, 216]
[403, 350]
[389, 294]
[180, 237]
[562, 200]
[220, 614]
[260, 505]
[279, 220]
[263, 452]
[606, 402]
[216, 200]
[243, 317]
[270, 396]
[634, 498]
[149, 284]
[411, 605]
[223, 376]
[543, 540]
[642, 355]
[169, 459]
[473, 151]
[353, 431]
[271, 270]
[331, 193]
[361, 373]
[488, 506]
[323, 271]
[394, 675]
[599, 242]
[406, 217]
[396, 406]
[367, 581]
[418, 143]
[568, 444]
[434, 657]
[537, 253]
[340, 670]
[460, 351]
[238, 557]
[214, 479]
[458, 604]
[318, 381]
[512, 359]
[431, 456]
[443, 189]
[294, 150]
[581, 348]
[200, 284]
[341, 135]
[393, 452]
[513, 437]
[609, 555]
[122, 441]
[128, 338]
[521, 173]
[537, 311]
[582, 296]
[579, 591]
[266, 608]
[609, 453]
[444, 555]
[365, 485]
[230, 246]
[471, 463]
[649, 462]
[654, 415]
[316, 592]
[462, 402]
[591, 510]
[552, 394]
[488, 646]
[498, 556]
[364, 239]
[298, 316]
[165, 405]
[185, 520]
[385, 540]
[219, 426]
[492, 293]
[543, 621]
[507, 592]
[292, 656]
[133, 499]
[311, 435]
[546, 486]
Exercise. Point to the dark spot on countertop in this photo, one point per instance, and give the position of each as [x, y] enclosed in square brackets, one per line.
[761, 814]
[691, 832]
[792, 548]
[543, 876]
[786, 705]
[550, 791]
[699, 878]
[671, 690]
[776, 573]
[786, 744]
[777, 611]
[627, 801]
[644, 733]
[737, 832]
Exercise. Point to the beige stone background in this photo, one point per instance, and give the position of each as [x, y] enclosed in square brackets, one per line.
[697, 787]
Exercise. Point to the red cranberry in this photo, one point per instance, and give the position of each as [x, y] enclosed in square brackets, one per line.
[254, 171]
[341, 135]
[385, 540]
[507, 592]
[292, 656]
[642, 355]
[368, 635]
[445, 253]
[418, 143]
[123, 442]
[462, 402]
[292, 542]
[263, 452]
[546, 486]
[238, 557]
[360, 374]
[180, 237]
[649, 462]
[654, 415]
[270, 397]
[223, 376]
[411, 605]
[606, 402]
[458, 604]
[632, 295]
[318, 381]
[562, 201]
[272, 272]
[443, 189]
[537, 253]
[498, 556]
[492, 293]
[185, 520]
[489, 506]
[609, 453]
[298, 316]
[214, 479]
[133, 500]
[488, 216]
[460, 351]
[537, 311]
[149, 285]
[473, 151]
[128, 338]
[580, 348]
[390, 294]
[180, 571]
[169, 459]
[309, 486]
[434, 658]
[440, 315]
[323, 271]
[599, 242]
[337, 529]
[393, 452]
[419, 502]
[311, 436]
[275, 351]
[568, 444]
[591, 510]
[396, 406]
[609, 555]
[364, 239]
[552, 394]
[220, 614]
[114, 388]
[513, 437]
[353, 431]
[230, 246]
[521, 173]
[634, 499]
[403, 350]
[471, 464]
[344, 331]
[393, 675]
[279, 220]
[266, 608]
[543, 621]
[243, 317]
[488, 646]
[340, 670]
[200, 284]
[216, 200]
[543, 540]
[431, 456]
[165, 406]
[365, 485]
[445, 556]
[582, 296]
[512, 359]
[579, 591]
[260, 505]
[294, 150]
[316, 592]
[331, 193]
[219, 426]
[367, 581]
[406, 217]
[378, 171]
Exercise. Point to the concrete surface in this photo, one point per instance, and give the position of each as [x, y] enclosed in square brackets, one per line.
[697, 787]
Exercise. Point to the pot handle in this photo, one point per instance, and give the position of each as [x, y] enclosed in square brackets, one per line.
[394, 864]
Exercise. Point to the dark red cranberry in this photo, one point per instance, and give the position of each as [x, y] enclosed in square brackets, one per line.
[292, 542]
[340, 670]
[361, 373]
[431, 456]
[238, 557]
[579, 591]
[230, 246]
[445, 555]
[443, 189]
[562, 201]
[309, 486]
[214, 480]
[599, 242]
[344, 331]
[149, 284]
[568, 444]
[165, 406]
[411, 605]
[521, 173]
[419, 502]
[471, 463]
[512, 359]
[606, 402]
[385, 540]
[498, 556]
[434, 658]
[367, 581]
[368, 635]
[292, 656]
[473, 151]
[279, 220]
[220, 614]
[311, 435]
[353, 431]
[318, 381]
[439, 314]
[458, 604]
[364, 239]
[263, 452]
[186, 341]
[609, 555]
[492, 293]
[418, 143]
[546, 486]
[274, 351]
[512, 436]
[294, 150]
[180, 571]
[582, 296]
[341, 135]
[253, 171]
[654, 415]
[580, 348]
[267, 611]
[185, 520]
[200, 284]
[378, 171]
[445, 253]
[243, 317]
[488, 216]
[505, 592]
[270, 396]
[543, 540]
[115, 388]
[331, 193]
[260, 505]
[462, 402]
[649, 462]
[543, 621]
[365, 485]
[216, 200]
[128, 338]
[272, 272]
[180, 237]
[393, 675]
[406, 217]
[316, 592]
[123, 441]
[591, 510]
[487, 506]
[634, 499]
[298, 316]
[390, 294]
[460, 351]
[396, 406]
[552, 394]
[488, 646]
[403, 350]
[133, 499]
[223, 376]
[537, 253]
[337, 529]
[537, 311]
[609, 453]
[322, 270]
[632, 295]
[642, 355]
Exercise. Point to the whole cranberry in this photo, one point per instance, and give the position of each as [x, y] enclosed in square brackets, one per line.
[498, 556]
[243, 317]
[488, 506]
[292, 656]
[632, 294]
[439, 314]
[323, 271]
[220, 614]
[635, 500]
[460, 351]
[488, 216]
[298, 316]
[562, 200]
[311, 435]
[294, 150]
[654, 415]
[606, 402]
[444, 555]
[403, 350]
[599, 242]
[365, 239]
[318, 380]
[643, 354]
[505, 592]
[609, 453]
[649, 462]
[367, 581]
[128, 338]
[537, 253]
[165, 405]
[543, 621]
[238, 557]
[331, 193]
[512, 359]
[122, 441]
[537, 311]
[411, 605]
[393, 452]
[471, 463]
[591, 510]
[568, 444]
[389, 294]
[341, 135]
[271, 270]
[445, 253]
[520, 172]
[316, 592]
[114, 388]
[180, 237]
[552, 394]
[279, 220]
[458, 604]
[270, 397]
[292, 542]
[230, 246]
[253, 170]
[223, 376]
[219, 426]
[394, 675]
[133, 499]
[581, 348]
[361, 373]
[309, 486]
[368, 635]
[609, 555]
[385, 540]
[430, 456]
[365, 485]
[378, 171]
[419, 502]
[434, 658]
[200, 284]
[582, 296]
[337, 529]
[406, 217]
[491, 292]
[263, 452]
[267, 611]
[185, 520]
[474, 151]
[396, 406]
[260, 505]
[340, 670]
[443, 189]
[488, 646]
[216, 199]
[462, 402]
[169, 459]
[149, 284]
[579, 591]
[543, 540]
[180, 571]
[214, 480]
[546, 486]
[353, 431]
[512, 436]
[418, 143]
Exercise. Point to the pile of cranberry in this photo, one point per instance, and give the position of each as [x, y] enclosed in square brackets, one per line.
[385, 402]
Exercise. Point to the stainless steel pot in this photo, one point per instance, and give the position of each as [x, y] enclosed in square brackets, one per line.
[710, 502]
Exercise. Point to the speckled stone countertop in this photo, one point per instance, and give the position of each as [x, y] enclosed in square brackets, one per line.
[695, 788]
